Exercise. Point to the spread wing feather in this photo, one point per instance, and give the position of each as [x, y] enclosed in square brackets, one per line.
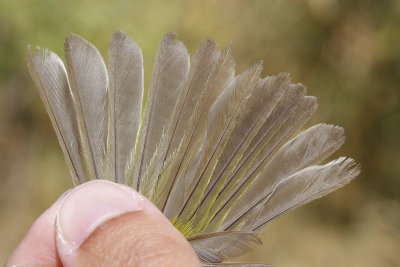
[261, 103]
[220, 246]
[201, 67]
[50, 77]
[89, 85]
[125, 70]
[299, 189]
[308, 148]
[285, 120]
[170, 70]
[173, 181]
[221, 156]
[223, 118]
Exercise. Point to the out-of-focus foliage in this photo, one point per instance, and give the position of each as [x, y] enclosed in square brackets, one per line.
[346, 52]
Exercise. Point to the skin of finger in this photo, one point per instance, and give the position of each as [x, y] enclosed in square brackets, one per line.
[38, 247]
[142, 238]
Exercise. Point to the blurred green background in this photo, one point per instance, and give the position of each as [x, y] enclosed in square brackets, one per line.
[346, 52]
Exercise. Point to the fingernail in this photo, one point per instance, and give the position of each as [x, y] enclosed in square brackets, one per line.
[88, 206]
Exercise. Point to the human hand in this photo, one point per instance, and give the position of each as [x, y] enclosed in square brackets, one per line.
[101, 223]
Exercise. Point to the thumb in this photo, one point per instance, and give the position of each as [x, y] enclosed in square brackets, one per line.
[101, 223]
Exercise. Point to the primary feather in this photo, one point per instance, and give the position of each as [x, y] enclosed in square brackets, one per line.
[89, 85]
[50, 77]
[170, 70]
[221, 156]
[230, 244]
[125, 70]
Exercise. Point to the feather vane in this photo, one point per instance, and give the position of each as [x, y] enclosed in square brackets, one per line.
[220, 155]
